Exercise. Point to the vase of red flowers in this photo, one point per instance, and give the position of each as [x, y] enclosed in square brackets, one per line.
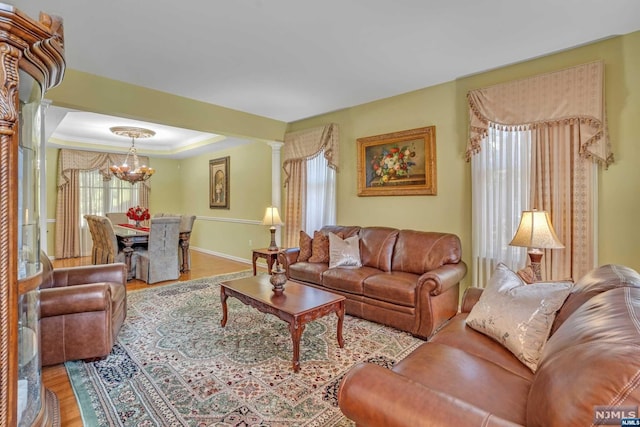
[138, 214]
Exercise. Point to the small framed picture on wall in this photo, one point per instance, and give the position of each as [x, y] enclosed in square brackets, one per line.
[219, 183]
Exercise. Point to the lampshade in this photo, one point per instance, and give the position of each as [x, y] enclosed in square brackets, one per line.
[271, 217]
[535, 231]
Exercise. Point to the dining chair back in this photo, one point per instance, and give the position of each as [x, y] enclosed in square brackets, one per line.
[118, 217]
[160, 262]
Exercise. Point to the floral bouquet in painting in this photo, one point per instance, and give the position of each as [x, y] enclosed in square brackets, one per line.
[392, 163]
[138, 214]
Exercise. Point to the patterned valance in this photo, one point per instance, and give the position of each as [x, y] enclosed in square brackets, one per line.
[306, 144]
[90, 160]
[571, 96]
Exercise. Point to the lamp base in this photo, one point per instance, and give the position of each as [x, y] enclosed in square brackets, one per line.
[273, 246]
[535, 255]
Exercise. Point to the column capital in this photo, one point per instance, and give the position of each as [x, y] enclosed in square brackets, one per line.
[275, 145]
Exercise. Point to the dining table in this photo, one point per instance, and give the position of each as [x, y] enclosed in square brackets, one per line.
[130, 236]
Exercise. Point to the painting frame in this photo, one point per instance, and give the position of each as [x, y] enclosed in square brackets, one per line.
[386, 163]
[219, 180]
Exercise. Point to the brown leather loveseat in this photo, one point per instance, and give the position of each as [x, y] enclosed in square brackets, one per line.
[81, 310]
[464, 378]
[408, 279]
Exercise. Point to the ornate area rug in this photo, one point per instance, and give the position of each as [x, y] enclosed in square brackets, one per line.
[173, 365]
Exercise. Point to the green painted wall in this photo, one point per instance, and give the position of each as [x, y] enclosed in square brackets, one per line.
[227, 231]
[182, 185]
[88, 92]
[445, 107]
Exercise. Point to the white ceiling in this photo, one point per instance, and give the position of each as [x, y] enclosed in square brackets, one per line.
[293, 59]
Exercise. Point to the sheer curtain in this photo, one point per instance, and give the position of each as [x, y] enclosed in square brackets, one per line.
[321, 194]
[564, 117]
[501, 175]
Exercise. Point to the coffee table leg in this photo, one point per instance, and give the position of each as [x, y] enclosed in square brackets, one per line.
[223, 300]
[340, 314]
[296, 333]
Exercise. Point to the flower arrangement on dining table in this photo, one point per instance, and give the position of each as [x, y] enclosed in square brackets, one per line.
[137, 214]
[392, 163]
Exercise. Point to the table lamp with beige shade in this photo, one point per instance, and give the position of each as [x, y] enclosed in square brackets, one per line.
[536, 233]
[272, 218]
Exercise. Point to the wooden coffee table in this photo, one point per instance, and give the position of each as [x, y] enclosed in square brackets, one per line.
[298, 305]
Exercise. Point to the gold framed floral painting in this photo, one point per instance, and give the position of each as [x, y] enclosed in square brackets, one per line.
[219, 183]
[398, 164]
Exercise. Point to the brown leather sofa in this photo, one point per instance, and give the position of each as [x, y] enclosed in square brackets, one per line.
[464, 378]
[81, 310]
[408, 279]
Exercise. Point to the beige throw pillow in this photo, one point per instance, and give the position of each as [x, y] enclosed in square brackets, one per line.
[344, 253]
[518, 315]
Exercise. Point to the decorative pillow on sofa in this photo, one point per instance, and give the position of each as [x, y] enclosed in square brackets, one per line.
[518, 315]
[319, 248]
[344, 253]
[305, 247]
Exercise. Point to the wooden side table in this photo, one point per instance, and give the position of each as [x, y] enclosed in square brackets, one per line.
[265, 253]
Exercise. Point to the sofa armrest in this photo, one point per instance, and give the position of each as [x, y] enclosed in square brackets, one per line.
[470, 298]
[443, 278]
[372, 395]
[287, 257]
[71, 276]
[74, 299]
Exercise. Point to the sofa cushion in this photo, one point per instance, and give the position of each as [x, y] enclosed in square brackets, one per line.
[345, 230]
[598, 280]
[472, 379]
[307, 271]
[518, 315]
[344, 252]
[396, 287]
[592, 359]
[420, 251]
[376, 246]
[305, 247]
[347, 279]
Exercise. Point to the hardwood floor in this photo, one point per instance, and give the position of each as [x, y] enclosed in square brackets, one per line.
[55, 377]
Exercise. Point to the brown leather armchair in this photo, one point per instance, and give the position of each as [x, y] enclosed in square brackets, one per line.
[81, 310]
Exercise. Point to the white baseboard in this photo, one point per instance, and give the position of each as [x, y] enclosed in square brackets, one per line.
[260, 261]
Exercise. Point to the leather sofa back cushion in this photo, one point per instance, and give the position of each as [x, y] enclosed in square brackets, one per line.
[598, 280]
[592, 359]
[376, 246]
[421, 251]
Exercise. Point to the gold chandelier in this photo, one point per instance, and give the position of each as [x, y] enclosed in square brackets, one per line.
[125, 171]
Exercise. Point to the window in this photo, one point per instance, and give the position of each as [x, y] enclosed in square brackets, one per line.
[321, 194]
[500, 192]
[99, 196]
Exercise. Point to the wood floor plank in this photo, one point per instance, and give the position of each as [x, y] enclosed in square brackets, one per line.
[55, 377]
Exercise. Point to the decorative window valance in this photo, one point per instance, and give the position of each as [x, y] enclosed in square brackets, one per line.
[571, 96]
[306, 144]
[89, 160]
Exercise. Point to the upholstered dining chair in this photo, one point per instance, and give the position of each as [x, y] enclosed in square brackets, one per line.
[118, 217]
[160, 261]
[109, 251]
[95, 239]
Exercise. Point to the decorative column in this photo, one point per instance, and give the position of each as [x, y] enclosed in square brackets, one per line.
[276, 186]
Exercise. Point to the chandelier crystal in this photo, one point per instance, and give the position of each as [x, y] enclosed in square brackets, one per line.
[136, 172]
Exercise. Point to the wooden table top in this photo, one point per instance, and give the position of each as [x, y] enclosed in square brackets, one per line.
[296, 298]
